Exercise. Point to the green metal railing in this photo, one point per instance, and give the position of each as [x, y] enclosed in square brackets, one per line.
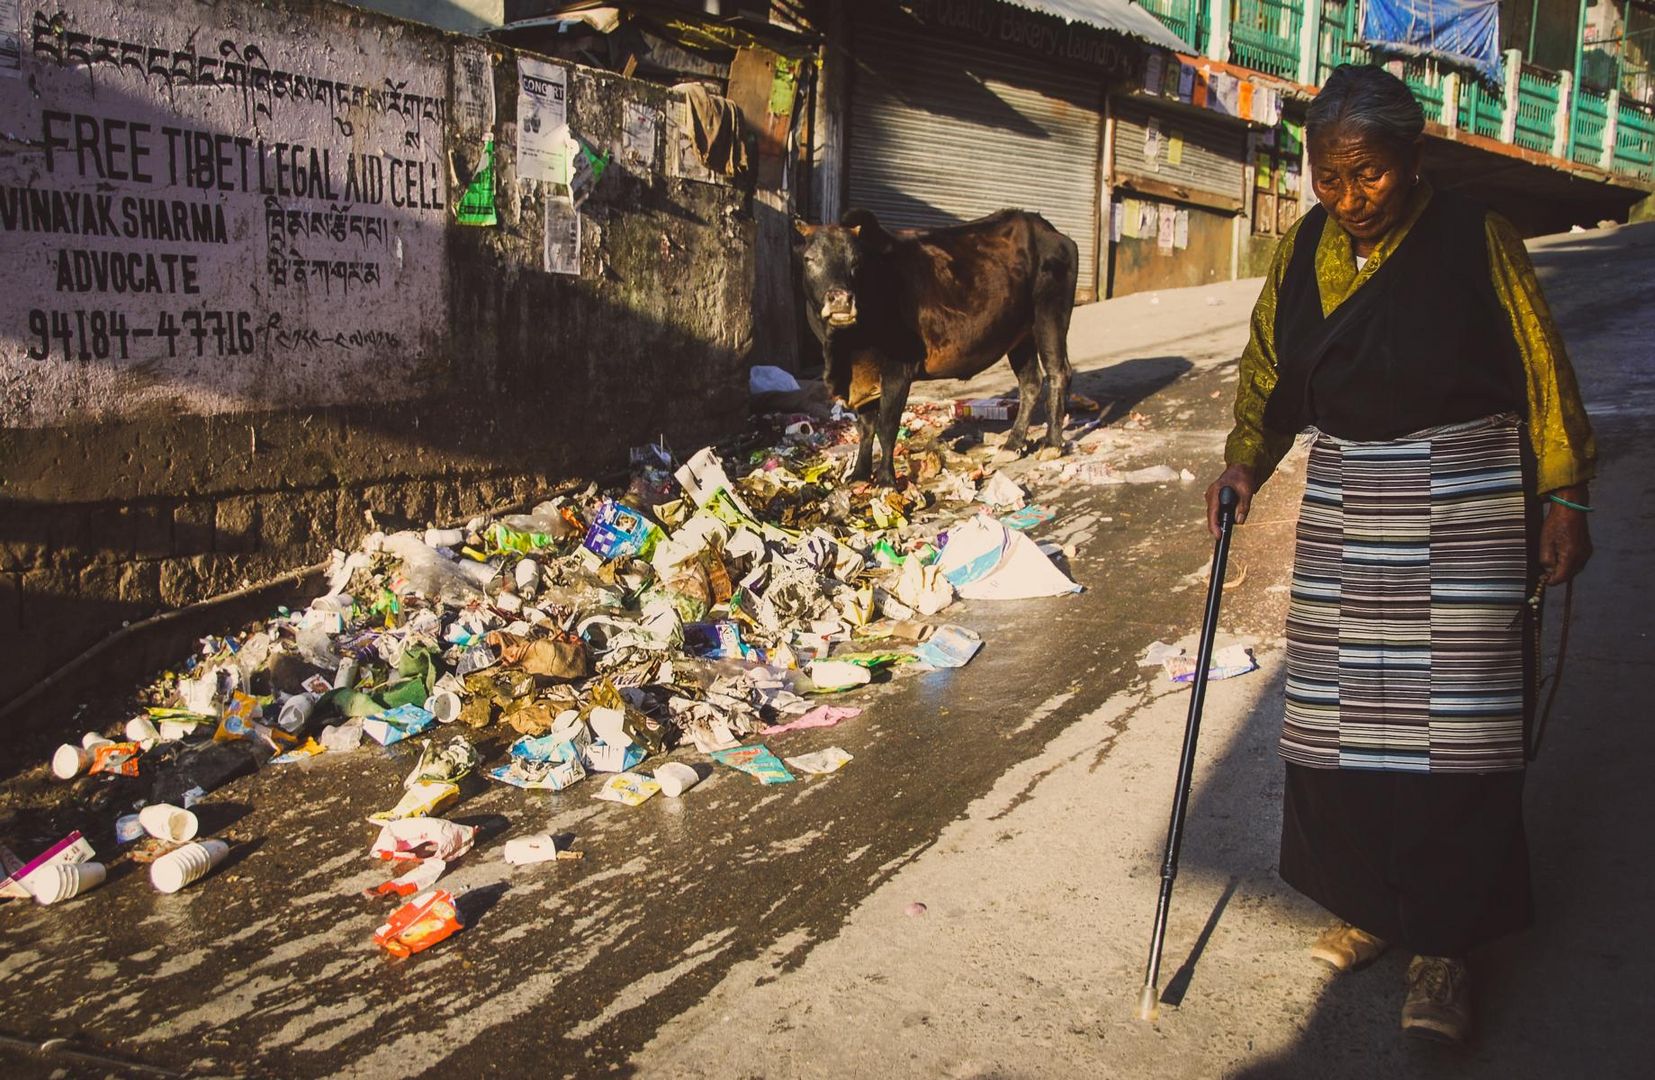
[1337, 43]
[1635, 140]
[1538, 91]
[1482, 108]
[1264, 35]
[1185, 18]
[1425, 81]
[1589, 117]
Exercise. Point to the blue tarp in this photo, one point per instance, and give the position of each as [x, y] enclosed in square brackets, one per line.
[1465, 32]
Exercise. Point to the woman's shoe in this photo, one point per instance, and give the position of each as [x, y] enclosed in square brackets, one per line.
[1345, 948]
[1439, 999]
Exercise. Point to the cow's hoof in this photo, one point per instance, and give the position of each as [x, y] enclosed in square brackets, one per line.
[1015, 446]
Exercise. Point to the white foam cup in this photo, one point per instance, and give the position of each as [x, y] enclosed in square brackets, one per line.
[62, 881]
[142, 730]
[527, 575]
[346, 675]
[295, 711]
[189, 863]
[675, 778]
[70, 761]
[444, 705]
[92, 740]
[167, 822]
[449, 538]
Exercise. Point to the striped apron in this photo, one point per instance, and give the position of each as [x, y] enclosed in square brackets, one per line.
[1405, 634]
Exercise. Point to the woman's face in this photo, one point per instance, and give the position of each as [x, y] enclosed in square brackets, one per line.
[1363, 182]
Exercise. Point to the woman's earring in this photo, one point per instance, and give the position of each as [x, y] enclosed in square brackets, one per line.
[1416, 179]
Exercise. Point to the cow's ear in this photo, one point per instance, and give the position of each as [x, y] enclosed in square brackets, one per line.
[870, 235]
[804, 228]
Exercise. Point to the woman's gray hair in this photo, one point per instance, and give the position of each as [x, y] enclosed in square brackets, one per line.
[1366, 101]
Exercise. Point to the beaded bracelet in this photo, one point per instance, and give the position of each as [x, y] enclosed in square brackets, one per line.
[1561, 501]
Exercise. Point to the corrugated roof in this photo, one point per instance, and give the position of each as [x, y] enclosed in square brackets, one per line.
[1121, 16]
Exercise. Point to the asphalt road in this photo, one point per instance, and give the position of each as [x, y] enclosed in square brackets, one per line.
[750, 931]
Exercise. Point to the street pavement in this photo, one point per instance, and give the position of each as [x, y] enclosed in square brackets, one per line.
[769, 932]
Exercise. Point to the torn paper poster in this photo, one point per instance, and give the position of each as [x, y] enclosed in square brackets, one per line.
[822, 761]
[640, 125]
[562, 236]
[473, 104]
[1226, 664]
[755, 761]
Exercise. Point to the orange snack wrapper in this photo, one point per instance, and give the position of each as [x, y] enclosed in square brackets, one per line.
[120, 759]
[419, 924]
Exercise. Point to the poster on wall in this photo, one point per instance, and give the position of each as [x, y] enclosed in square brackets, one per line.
[562, 236]
[11, 38]
[639, 125]
[255, 220]
[473, 89]
[542, 122]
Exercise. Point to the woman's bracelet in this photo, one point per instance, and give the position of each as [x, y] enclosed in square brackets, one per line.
[1561, 501]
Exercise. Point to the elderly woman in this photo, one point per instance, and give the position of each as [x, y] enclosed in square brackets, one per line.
[1404, 328]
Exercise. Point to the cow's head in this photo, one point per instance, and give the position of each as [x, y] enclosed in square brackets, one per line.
[834, 263]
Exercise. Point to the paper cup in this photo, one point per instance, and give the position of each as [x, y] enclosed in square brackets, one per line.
[189, 863]
[675, 778]
[448, 538]
[63, 881]
[142, 730]
[92, 740]
[527, 575]
[522, 850]
[167, 822]
[346, 675]
[70, 761]
[444, 705]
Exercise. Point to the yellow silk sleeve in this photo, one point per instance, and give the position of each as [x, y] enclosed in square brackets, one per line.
[1249, 442]
[1561, 435]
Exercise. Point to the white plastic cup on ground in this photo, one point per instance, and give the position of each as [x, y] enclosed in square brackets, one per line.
[63, 881]
[444, 705]
[295, 711]
[448, 538]
[92, 740]
[167, 822]
[675, 778]
[346, 675]
[188, 864]
[527, 576]
[70, 761]
[522, 850]
[142, 730]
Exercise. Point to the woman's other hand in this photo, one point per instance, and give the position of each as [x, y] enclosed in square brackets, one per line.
[1565, 541]
[1239, 477]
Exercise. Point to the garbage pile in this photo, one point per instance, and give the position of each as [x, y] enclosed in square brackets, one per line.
[597, 633]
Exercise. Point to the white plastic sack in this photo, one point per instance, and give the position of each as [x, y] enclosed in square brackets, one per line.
[993, 562]
[765, 379]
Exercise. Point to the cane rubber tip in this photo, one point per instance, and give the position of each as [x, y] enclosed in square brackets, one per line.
[1149, 1005]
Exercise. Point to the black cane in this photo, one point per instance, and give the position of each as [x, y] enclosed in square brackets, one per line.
[1148, 1003]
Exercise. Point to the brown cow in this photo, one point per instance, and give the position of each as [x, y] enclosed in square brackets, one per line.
[944, 304]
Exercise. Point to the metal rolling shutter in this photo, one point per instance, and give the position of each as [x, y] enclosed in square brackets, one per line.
[942, 133]
[1213, 154]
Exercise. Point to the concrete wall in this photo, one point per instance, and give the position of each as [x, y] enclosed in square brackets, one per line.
[462, 16]
[236, 313]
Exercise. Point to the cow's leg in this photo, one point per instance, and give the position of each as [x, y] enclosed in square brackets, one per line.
[893, 399]
[1025, 361]
[864, 450]
[1054, 302]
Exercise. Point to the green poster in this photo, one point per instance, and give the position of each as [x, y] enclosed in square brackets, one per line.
[476, 205]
